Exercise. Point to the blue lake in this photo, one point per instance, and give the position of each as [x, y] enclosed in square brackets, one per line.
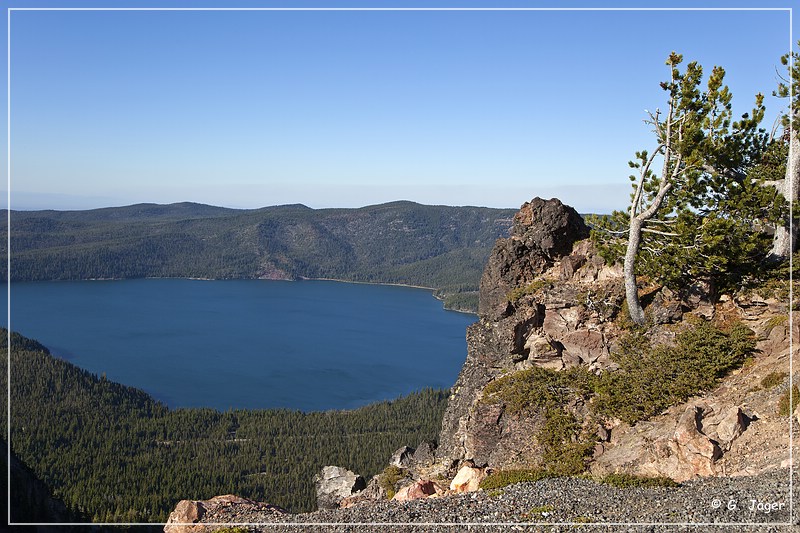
[309, 345]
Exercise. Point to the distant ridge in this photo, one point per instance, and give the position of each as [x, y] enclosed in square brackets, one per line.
[441, 247]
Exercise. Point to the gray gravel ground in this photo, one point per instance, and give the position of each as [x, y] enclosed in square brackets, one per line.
[759, 503]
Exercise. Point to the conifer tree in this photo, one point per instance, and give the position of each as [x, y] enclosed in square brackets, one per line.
[785, 239]
[694, 218]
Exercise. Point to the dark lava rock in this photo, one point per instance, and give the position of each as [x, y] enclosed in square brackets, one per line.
[543, 231]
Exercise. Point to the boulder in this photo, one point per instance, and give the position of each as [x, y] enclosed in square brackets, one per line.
[699, 297]
[549, 226]
[373, 492]
[334, 484]
[191, 516]
[543, 231]
[542, 352]
[559, 322]
[725, 426]
[468, 479]
[422, 488]
[665, 308]
[185, 513]
[679, 450]
[425, 453]
[570, 264]
[588, 345]
[696, 451]
[402, 457]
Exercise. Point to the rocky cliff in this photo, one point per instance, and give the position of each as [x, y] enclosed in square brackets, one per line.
[551, 322]
[548, 300]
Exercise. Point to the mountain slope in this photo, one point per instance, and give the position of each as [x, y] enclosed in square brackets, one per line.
[116, 454]
[400, 242]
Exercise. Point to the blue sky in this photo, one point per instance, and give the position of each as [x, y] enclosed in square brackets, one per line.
[351, 108]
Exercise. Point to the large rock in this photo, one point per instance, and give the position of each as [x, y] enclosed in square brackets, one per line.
[195, 516]
[524, 328]
[187, 512]
[586, 345]
[334, 484]
[424, 454]
[402, 458]
[543, 231]
[372, 493]
[468, 479]
[681, 450]
[422, 488]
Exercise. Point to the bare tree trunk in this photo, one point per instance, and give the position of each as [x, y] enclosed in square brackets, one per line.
[784, 243]
[629, 271]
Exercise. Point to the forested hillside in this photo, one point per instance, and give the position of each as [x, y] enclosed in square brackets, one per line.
[113, 453]
[401, 242]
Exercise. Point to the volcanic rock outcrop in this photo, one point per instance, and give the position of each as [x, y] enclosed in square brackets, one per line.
[546, 299]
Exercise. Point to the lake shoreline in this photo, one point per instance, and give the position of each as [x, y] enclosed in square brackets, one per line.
[300, 278]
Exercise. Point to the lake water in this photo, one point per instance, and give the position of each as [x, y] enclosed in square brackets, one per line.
[310, 345]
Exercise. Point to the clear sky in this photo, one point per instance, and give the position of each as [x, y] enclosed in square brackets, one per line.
[351, 108]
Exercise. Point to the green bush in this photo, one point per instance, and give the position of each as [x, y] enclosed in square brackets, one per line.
[389, 478]
[548, 392]
[650, 379]
[538, 388]
[787, 404]
[772, 379]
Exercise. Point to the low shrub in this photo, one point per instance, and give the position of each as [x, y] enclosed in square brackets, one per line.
[502, 478]
[650, 379]
[629, 481]
[787, 403]
[548, 392]
[773, 379]
[389, 478]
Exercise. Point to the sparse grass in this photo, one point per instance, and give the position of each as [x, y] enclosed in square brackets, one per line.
[773, 379]
[787, 405]
[530, 288]
[629, 481]
[232, 530]
[539, 512]
[774, 322]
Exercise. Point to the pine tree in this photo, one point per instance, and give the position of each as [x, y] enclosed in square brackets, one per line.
[788, 185]
[694, 219]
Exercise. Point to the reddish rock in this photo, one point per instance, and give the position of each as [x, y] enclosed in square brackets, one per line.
[420, 489]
